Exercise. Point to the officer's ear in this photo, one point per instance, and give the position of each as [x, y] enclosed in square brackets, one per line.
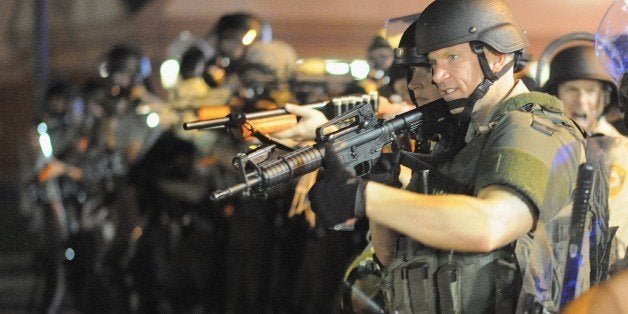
[497, 60]
[606, 94]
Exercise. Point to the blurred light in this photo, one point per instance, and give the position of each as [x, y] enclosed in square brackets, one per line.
[337, 68]
[185, 35]
[545, 72]
[137, 232]
[108, 231]
[102, 70]
[169, 73]
[42, 128]
[45, 144]
[312, 66]
[359, 69]
[69, 254]
[249, 37]
[152, 120]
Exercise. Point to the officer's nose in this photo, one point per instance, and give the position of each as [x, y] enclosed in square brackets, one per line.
[439, 73]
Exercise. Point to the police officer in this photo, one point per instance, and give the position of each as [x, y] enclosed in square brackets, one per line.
[232, 35]
[360, 291]
[259, 276]
[578, 79]
[410, 77]
[266, 73]
[55, 189]
[453, 251]
[132, 131]
[611, 41]
[380, 59]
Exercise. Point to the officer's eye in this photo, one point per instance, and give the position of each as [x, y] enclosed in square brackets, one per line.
[570, 89]
[430, 66]
[452, 57]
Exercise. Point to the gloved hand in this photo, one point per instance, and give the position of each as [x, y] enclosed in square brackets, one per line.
[387, 168]
[339, 195]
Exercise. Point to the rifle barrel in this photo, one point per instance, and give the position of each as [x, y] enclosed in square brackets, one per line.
[222, 122]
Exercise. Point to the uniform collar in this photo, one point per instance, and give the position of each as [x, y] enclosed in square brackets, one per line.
[474, 130]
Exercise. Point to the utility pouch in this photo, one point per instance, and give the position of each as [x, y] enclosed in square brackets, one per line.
[507, 285]
[448, 282]
[409, 284]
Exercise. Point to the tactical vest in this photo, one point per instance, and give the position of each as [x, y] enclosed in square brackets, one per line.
[421, 279]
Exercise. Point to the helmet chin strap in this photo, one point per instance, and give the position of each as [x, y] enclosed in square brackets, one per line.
[480, 91]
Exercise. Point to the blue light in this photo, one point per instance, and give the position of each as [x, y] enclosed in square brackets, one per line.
[69, 254]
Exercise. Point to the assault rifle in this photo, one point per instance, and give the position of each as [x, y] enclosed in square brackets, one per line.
[357, 137]
[271, 121]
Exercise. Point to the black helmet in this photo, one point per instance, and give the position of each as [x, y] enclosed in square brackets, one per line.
[59, 98]
[237, 25]
[128, 60]
[576, 63]
[446, 23]
[193, 62]
[406, 54]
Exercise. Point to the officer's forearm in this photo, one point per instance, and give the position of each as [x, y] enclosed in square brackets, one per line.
[384, 241]
[451, 222]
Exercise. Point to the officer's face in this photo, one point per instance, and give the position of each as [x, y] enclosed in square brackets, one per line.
[230, 45]
[381, 58]
[584, 101]
[456, 71]
[421, 85]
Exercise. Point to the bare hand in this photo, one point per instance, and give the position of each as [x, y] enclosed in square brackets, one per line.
[305, 129]
[387, 110]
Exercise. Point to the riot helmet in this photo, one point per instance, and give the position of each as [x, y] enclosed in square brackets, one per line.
[58, 100]
[406, 54]
[63, 106]
[266, 66]
[193, 62]
[237, 30]
[62, 116]
[125, 67]
[380, 54]
[409, 62]
[481, 23]
[446, 23]
[577, 63]
[578, 79]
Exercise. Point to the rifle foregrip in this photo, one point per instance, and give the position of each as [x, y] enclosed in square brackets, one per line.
[292, 165]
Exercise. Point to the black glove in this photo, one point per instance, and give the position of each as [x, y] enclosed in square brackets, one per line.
[339, 195]
[387, 168]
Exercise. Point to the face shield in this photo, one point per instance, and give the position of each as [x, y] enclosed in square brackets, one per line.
[394, 29]
[611, 40]
[611, 47]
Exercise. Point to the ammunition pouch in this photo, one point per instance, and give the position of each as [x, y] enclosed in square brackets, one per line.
[425, 280]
